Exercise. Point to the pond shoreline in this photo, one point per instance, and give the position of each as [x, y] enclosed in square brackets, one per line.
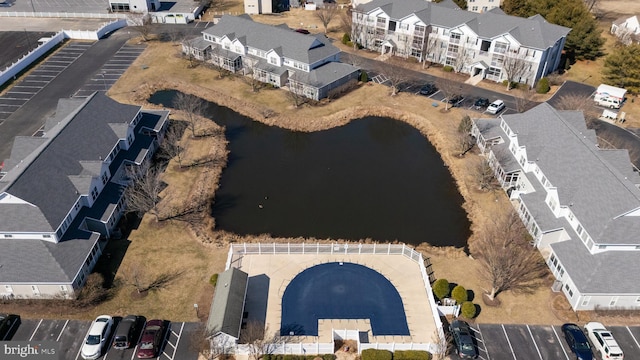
[267, 116]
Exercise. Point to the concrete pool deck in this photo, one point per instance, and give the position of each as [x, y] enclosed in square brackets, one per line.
[403, 272]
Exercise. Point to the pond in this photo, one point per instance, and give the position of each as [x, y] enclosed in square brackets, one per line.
[375, 178]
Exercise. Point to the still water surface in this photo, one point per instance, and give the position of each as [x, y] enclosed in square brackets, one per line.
[374, 178]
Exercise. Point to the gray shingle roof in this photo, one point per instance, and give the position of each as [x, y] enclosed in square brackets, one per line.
[304, 48]
[325, 74]
[45, 182]
[610, 272]
[597, 192]
[533, 32]
[228, 303]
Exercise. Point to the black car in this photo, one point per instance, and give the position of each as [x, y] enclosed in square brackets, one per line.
[428, 89]
[481, 103]
[577, 341]
[455, 100]
[463, 340]
[7, 324]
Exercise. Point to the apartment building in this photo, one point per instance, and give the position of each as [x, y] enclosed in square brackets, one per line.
[307, 64]
[489, 45]
[61, 195]
[580, 203]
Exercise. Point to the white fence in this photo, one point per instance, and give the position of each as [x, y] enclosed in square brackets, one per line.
[49, 14]
[237, 251]
[14, 69]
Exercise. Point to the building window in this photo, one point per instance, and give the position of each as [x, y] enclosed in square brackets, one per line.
[586, 300]
[8, 236]
[579, 229]
[63, 288]
[613, 301]
[500, 48]
[455, 38]
[35, 290]
[637, 300]
[46, 236]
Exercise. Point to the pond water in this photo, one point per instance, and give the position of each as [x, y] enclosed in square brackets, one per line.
[374, 178]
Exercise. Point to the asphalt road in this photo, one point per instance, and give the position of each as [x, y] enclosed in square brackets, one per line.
[32, 115]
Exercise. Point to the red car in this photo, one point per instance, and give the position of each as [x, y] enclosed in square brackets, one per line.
[152, 339]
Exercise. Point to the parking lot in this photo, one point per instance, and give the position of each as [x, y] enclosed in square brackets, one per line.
[544, 342]
[71, 333]
[43, 74]
[111, 70]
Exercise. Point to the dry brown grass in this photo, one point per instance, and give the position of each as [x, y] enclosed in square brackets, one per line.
[439, 127]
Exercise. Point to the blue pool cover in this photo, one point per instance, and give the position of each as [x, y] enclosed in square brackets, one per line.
[342, 291]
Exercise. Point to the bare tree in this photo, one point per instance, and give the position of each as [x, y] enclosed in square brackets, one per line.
[579, 102]
[251, 72]
[171, 147]
[346, 22]
[357, 28]
[484, 175]
[143, 24]
[325, 14]
[507, 259]
[217, 61]
[189, 52]
[524, 98]
[135, 275]
[193, 108]
[296, 91]
[449, 87]
[207, 344]
[258, 339]
[442, 342]
[142, 195]
[393, 69]
[514, 67]
[431, 51]
[462, 57]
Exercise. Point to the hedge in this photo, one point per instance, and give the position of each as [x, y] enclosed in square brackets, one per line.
[346, 38]
[447, 68]
[373, 354]
[411, 355]
[468, 310]
[543, 86]
[213, 280]
[364, 77]
[459, 293]
[441, 288]
[297, 357]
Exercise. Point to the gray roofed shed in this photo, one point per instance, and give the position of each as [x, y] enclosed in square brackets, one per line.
[227, 307]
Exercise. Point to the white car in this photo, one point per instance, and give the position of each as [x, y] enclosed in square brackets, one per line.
[603, 341]
[495, 107]
[97, 337]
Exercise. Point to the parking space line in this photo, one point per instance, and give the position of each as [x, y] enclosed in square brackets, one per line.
[508, 342]
[559, 342]
[482, 341]
[633, 337]
[61, 331]
[36, 329]
[534, 342]
[173, 346]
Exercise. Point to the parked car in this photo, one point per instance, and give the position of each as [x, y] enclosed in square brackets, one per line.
[302, 31]
[428, 89]
[603, 341]
[577, 341]
[96, 337]
[126, 331]
[455, 100]
[7, 323]
[481, 103]
[495, 107]
[152, 339]
[463, 340]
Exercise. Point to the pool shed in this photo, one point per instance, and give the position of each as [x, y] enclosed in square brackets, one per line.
[227, 308]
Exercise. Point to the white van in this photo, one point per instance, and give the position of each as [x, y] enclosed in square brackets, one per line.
[608, 102]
